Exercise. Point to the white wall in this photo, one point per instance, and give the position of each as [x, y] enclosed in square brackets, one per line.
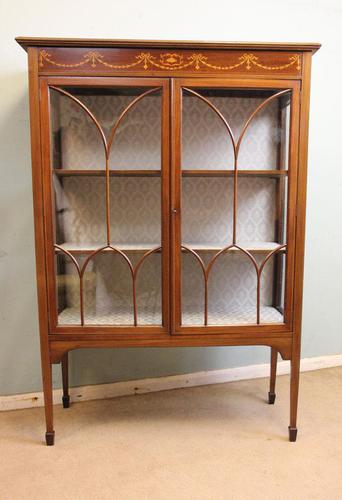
[265, 20]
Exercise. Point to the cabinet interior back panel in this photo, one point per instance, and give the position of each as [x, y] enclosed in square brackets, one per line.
[136, 210]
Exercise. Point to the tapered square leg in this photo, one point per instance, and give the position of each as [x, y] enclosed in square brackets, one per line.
[295, 366]
[48, 400]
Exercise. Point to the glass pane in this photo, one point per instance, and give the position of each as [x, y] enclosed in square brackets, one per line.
[148, 285]
[256, 210]
[272, 289]
[137, 141]
[207, 210]
[80, 208]
[91, 222]
[205, 142]
[136, 119]
[111, 301]
[223, 129]
[265, 143]
[232, 290]
[76, 142]
[67, 290]
[192, 290]
[135, 207]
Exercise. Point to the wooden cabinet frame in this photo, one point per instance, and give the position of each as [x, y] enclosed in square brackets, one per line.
[170, 66]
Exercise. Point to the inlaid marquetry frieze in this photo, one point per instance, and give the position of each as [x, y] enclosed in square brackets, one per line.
[57, 60]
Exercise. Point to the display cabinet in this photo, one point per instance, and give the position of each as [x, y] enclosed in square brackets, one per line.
[169, 187]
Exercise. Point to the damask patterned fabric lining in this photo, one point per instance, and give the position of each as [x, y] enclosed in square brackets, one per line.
[135, 210]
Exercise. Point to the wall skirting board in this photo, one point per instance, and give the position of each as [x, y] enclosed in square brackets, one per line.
[130, 387]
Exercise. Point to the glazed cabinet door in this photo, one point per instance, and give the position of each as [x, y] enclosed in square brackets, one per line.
[106, 189]
[233, 204]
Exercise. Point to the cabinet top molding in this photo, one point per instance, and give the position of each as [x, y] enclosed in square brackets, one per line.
[26, 42]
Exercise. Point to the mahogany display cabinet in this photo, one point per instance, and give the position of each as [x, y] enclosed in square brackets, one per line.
[169, 183]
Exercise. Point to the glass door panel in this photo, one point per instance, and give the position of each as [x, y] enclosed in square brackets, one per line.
[109, 168]
[232, 171]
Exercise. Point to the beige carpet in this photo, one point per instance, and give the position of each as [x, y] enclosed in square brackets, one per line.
[214, 442]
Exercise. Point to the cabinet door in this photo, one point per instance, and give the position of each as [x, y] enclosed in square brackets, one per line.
[234, 178]
[106, 177]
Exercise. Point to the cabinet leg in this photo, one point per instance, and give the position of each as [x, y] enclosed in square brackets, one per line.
[65, 378]
[48, 402]
[273, 375]
[295, 366]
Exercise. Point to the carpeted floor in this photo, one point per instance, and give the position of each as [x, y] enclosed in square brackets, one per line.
[214, 442]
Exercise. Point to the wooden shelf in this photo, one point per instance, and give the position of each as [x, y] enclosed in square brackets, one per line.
[230, 173]
[60, 172]
[251, 246]
[87, 248]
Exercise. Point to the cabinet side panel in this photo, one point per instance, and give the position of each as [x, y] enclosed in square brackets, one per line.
[37, 193]
[301, 202]
[39, 235]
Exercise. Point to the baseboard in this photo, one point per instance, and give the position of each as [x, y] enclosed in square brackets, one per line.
[130, 387]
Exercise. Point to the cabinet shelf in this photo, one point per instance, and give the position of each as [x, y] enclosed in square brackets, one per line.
[60, 172]
[230, 173]
[156, 173]
[251, 246]
[87, 248]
